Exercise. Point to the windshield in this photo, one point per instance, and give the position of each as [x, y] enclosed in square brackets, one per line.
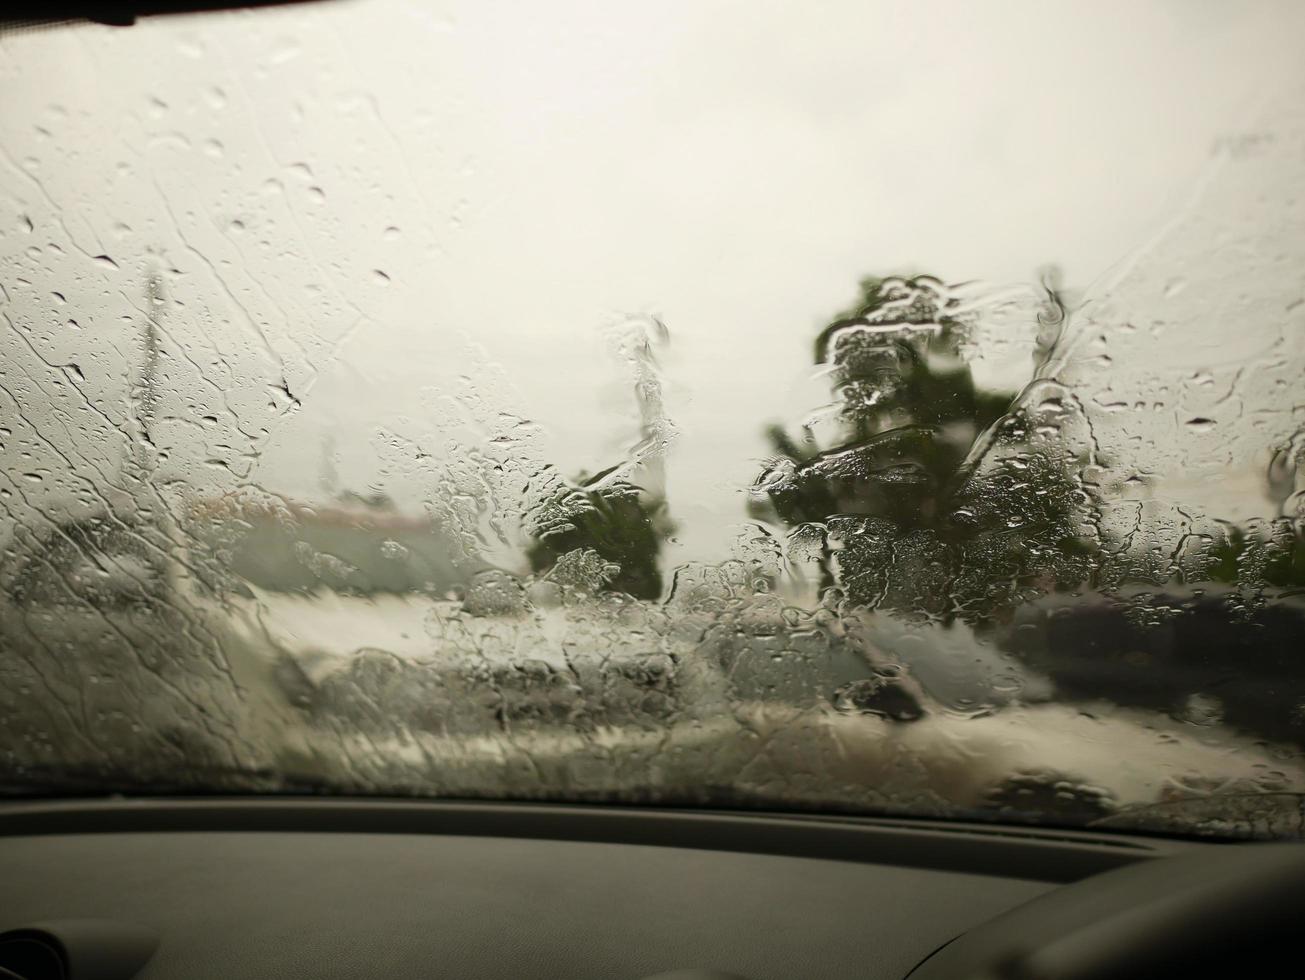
[882, 409]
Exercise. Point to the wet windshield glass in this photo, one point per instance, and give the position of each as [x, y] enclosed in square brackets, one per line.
[879, 409]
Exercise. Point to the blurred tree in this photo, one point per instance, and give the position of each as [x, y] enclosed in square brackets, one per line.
[622, 524]
[936, 497]
[612, 527]
[1260, 555]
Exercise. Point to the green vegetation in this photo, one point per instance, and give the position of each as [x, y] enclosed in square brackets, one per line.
[911, 521]
[1268, 554]
[620, 523]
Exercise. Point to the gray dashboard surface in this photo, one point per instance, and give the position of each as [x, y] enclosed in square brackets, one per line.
[345, 905]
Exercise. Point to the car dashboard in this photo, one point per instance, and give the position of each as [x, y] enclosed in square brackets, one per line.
[318, 888]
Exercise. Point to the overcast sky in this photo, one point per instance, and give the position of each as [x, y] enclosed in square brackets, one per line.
[348, 197]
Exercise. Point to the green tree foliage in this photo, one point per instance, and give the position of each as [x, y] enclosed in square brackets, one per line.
[620, 523]
[937, 498]
[1263, 555]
